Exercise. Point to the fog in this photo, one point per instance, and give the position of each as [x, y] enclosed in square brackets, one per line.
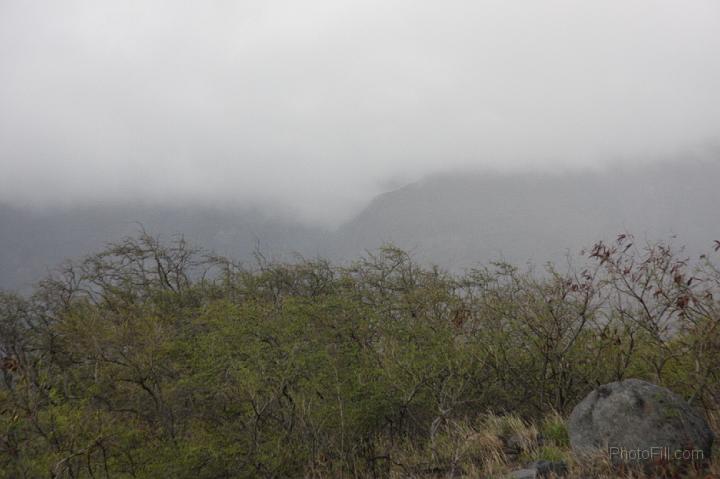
[319, 105]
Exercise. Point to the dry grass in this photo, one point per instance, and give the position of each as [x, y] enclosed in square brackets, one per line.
[481, 449]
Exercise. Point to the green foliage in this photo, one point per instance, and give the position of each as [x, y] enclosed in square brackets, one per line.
[151, 360]
[550, 453]
[554, 431]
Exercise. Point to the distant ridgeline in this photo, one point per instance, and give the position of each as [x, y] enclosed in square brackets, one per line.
[456, 221]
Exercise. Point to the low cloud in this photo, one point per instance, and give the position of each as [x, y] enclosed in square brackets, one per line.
[317, 105]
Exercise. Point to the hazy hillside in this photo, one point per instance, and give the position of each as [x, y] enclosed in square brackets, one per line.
[33, 241]
[455, 220]
[460, 219]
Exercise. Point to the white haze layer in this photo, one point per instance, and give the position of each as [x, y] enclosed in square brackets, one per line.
[318, 105]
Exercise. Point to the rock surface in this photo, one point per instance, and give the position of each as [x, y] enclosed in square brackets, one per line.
[549, 468]
[523, 474]
[540, 469]
[637, 422]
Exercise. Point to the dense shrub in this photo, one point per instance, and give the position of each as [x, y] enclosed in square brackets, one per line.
[150, 360]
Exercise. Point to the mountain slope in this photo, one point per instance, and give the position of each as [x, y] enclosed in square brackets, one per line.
[454, 220]
[33, 241]
[457, 220]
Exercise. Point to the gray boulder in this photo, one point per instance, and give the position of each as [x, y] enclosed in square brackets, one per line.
[540, 469]
[636, 422]
[523, 474]
[549, 468]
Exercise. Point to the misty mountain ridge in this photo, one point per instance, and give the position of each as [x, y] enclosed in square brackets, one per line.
[455, 220]
[35, 240]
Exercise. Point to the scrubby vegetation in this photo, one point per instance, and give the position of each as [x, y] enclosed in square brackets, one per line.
[153, 360]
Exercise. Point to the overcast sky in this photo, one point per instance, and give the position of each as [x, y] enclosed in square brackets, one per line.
[321, 104]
